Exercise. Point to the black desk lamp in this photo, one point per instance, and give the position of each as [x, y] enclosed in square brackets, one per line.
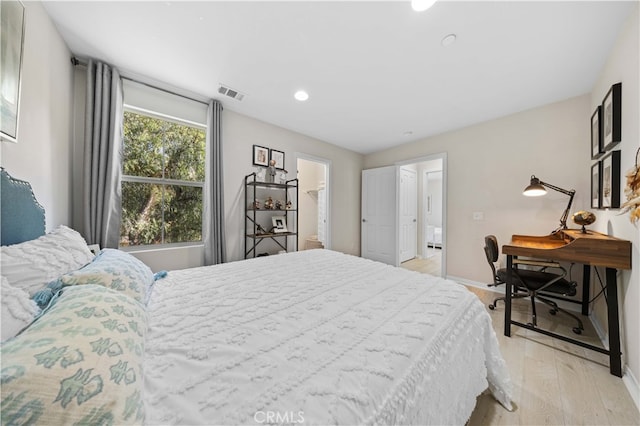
[537, 188]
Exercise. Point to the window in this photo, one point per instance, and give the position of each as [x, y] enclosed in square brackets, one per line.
[163, 179]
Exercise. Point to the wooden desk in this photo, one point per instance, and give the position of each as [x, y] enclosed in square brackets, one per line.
[590, 249]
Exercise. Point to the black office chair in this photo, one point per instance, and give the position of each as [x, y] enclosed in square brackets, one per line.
[529, 283]
[492, 253]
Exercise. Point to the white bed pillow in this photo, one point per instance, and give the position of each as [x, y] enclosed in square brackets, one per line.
[18, 311]
[33, 264]
[117, 270]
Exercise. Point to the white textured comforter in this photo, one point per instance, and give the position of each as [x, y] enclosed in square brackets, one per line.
[317, 337]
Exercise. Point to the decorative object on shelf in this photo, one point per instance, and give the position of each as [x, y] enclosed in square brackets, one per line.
[12, 41]
[536, 188]
[279, 205]
[596, 134]
[260, 174]
[595, 185]
[611, 117]
[279, 224]
[288, 205]
[283, 176]
[260, 155]
[256, 205]
[278, 158]
[268, 203]
[632, 192]
[260, 230]
[271, 172]
[610, 181]
[583, 218]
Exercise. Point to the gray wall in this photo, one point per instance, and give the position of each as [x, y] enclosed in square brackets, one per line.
[42, 155]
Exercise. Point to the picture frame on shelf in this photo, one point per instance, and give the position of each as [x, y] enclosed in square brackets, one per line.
[595, 185]
[596, 134]
[611, 117]
[610, 180]
[260, 156]
[12, 47]
[279, 224]
[278, 156]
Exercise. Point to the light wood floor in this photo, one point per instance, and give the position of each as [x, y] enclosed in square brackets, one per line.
[429, 265]
[554, 382]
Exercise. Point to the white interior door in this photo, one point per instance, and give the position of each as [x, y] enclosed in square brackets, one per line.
[379, 215]
[408, 214]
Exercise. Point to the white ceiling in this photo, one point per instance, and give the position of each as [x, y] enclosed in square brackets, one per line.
[375, 71]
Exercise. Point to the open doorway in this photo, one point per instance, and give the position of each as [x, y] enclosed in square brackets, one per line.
[430, 231]
[314, 230]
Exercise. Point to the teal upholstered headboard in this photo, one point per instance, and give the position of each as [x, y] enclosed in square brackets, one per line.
[21, 216]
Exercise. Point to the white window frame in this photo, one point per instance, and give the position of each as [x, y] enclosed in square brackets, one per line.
[164, 181]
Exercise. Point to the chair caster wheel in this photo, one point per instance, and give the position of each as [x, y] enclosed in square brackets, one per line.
[577, 330]
[553, 311]
[492, 307]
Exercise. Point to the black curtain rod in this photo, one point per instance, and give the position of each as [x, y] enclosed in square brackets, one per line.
[76, 61]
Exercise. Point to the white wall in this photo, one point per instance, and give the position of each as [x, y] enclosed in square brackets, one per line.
[42, 155]
[622, 66]
[489, 164]
[240, 132]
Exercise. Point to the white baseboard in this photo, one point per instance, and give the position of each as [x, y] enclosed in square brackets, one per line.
[629, 380]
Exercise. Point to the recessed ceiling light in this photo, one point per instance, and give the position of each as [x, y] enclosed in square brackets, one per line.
[301, 95]
[449, 39]
[422, 5]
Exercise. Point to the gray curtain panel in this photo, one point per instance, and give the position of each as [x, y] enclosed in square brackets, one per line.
[103, 155]
[213, 211]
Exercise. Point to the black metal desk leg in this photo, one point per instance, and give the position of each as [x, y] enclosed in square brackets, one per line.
[507, 299]
[586, 288]
[615, 361]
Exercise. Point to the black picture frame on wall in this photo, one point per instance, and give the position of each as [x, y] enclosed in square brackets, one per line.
[278, 156]
[260, 156]
[596, 134]
[611, 117]
[595, 185]
[610, 180]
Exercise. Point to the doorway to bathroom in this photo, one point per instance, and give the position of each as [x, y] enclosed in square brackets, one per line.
[314, 230]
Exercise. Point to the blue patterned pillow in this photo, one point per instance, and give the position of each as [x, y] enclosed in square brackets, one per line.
[116, 270]
[79, 363]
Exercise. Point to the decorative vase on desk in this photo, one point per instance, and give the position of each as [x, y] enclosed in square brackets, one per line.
[583, 218]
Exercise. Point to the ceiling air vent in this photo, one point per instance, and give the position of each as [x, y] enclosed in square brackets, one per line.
[232, 93]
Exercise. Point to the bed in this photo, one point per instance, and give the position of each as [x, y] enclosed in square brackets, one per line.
[311, 337]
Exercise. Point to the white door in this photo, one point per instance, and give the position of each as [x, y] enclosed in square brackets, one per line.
[379, 215]
[408, 214]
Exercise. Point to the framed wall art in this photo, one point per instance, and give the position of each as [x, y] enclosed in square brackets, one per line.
[11, 45]
[260, 156]
[611, 117]
[610, 181]
[278, 156]
[595, 185]
[596, 134]
[279, 224]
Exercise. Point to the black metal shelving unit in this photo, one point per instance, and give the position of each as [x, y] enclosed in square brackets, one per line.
[254, 232]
